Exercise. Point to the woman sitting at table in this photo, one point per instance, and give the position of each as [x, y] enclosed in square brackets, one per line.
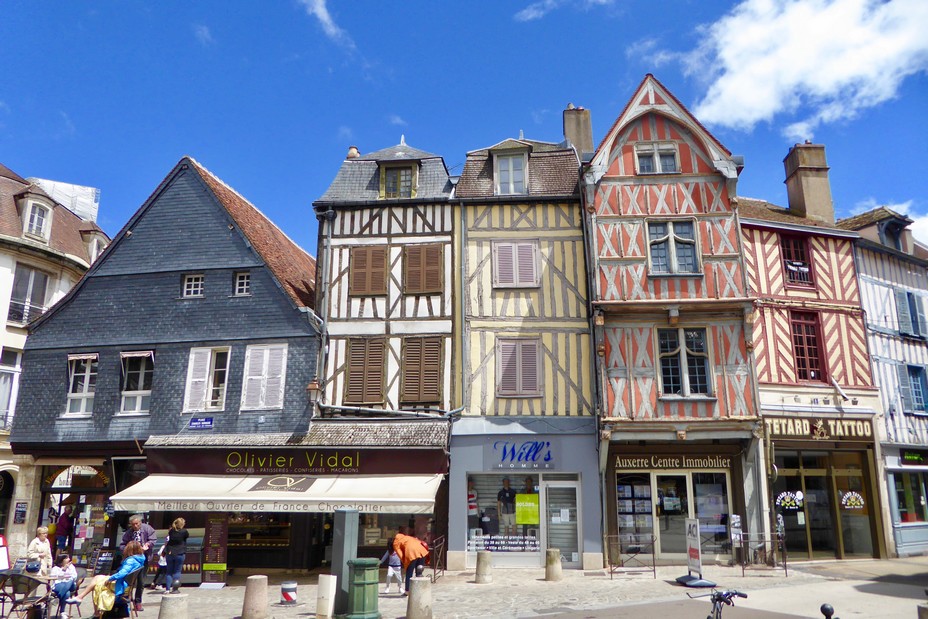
[64, 577]
[133, 559]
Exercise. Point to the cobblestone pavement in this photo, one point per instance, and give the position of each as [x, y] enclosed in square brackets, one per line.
[856, 589]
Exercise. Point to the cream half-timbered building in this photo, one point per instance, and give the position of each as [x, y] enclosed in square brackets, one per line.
[671, 306]
[893, 273]
[817, 398]
[528, 424]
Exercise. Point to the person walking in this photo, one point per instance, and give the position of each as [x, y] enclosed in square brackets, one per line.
[175, 551]
[63, 529]
[40, 550]
[145, 535]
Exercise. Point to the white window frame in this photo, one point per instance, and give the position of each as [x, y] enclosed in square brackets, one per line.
[28, 307]
[194, 286]
[672, 240]
[523, 257]
[45, 230]
[242, 284]
[683, 353]
[138, 395]
[522, 390]
[264, 377]
[86, 394]
[203, 375]
[13, 371]
[503, 161]
[652, 151]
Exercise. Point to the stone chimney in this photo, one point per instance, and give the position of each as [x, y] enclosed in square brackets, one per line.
[578, 128]
[353, 152]
[807, 186]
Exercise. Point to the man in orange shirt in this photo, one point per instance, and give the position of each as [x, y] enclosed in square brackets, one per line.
[411, 551]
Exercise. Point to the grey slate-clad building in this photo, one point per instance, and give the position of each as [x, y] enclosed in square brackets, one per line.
[196, 321]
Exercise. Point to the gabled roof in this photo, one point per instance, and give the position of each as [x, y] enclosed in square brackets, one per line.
[553, 170]
[652, 96]
[5, 172]
[863, 220]
[751, 208]
[358, 178]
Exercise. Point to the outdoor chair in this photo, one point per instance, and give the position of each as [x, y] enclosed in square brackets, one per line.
[29, 596]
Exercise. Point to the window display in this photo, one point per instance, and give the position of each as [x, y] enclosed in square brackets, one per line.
[508, 513]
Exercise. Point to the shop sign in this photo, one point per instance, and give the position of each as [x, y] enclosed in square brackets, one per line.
[520, 454]
[693, 551]
[819, 429]
[913, 457]
[852, 500]
[283, 483]
[672, 462]
[789, 500]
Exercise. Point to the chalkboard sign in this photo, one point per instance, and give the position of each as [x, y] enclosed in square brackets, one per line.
[19, 512]
[101, 562]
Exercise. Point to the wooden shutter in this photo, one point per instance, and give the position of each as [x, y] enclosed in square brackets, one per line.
[528, 367]
[197, 379]
[255, 362]
[364, 380]
[905, 387]
[525, 258]
[507, 380]
[902, 312]
[504, 263]
[276, 373]
[422, 269]
[368, 271]
[421, 370]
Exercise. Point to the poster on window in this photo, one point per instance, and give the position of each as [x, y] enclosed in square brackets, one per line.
[527, 511]
[19, 512]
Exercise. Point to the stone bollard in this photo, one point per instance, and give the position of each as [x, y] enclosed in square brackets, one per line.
[419, 602]
[484, 567]
[173, 606]
[325, 595]
[255, 604]
[553, 564]
[923, 611]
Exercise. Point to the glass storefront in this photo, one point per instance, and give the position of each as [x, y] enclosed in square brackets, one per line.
[910, 495]
[83, 493]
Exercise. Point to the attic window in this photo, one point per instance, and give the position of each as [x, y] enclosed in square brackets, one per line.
[38, 220]
[398, 182]
[510, 174]
[657, 158]
[892, 236]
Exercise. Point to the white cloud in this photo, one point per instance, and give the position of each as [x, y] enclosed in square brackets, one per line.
[318, 9]
[345, 133]
[396, 119]
[820, 61]
[539, 9]
[203, 35]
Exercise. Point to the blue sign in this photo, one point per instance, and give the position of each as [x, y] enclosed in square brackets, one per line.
[201, 423]
[517, 454]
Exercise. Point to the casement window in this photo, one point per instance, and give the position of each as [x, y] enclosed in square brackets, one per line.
[207, 375]
[672, 247]
[10, 369]
[796, 260]
[365, 372]
[265, 375]
[913, 388]
[515, 264]
[684, 356]
[38, 220]
[242, 285]
[27, 302]
[82, 383]
[656, 158]
[422, 269]
[510, 174]
[398, 182]
[421, 378]
[806, 346]
[138, 370]
[518, 367]
[910, 314]
[193, 286]
[367, 271]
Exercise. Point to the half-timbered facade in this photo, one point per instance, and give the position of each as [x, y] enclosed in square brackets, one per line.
[671, 310]
[894, 294]
[528, 422]
[816, 390]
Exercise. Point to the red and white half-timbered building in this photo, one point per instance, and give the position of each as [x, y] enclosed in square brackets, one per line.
[672, 316]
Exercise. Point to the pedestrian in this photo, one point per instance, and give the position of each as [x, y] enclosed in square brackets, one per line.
[412, 553]
[133, 560]
[40, 551]
[145, 535]
[175, 551]
[394, 568]
[63, 529]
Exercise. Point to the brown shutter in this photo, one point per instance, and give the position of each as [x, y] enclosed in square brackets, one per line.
[368, 271]
[508, 368]
[421, 370]
[364, 375]
[525, 260]
[422, 269]
[504, 261]
[528, 364]
[434, 265]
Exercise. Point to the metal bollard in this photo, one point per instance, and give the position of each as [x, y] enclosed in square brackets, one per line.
[419, 602]
[553, 564]
[828, 611]
[484, 567]
[288, 592]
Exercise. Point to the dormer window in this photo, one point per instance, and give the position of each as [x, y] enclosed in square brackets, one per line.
[657, 158]
[38, 220]
[398, 181]
[510, 174]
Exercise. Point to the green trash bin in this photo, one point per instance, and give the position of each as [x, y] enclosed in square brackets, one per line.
[363, 584]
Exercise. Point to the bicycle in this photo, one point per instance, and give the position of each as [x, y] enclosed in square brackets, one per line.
[719, 599]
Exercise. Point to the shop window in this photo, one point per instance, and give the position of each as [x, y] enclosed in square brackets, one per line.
[911, 496]
[806, 342]
[508, 515]
[634, 506]
[422, 269]
[367, 271]
[711, 493]
[684, 362]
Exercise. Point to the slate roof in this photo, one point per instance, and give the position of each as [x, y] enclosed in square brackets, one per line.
[358, 179]
[423, 433]
[751, 208]
[65, 237]
[858, 222]
[293, 267]
[553, 170]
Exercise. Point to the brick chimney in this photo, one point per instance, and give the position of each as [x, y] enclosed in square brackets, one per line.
[807, 186]
[578, 128]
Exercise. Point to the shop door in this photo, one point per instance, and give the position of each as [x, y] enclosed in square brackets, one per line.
[562, 521]
[672, 511]
[854, 506]
[820, 516]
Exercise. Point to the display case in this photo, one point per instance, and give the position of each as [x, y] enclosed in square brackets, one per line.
[259, 535]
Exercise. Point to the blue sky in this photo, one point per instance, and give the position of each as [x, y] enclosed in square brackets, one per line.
[270, 95]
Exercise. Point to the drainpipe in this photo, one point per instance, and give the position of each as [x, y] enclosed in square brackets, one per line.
[325, 219]
[431, 414]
